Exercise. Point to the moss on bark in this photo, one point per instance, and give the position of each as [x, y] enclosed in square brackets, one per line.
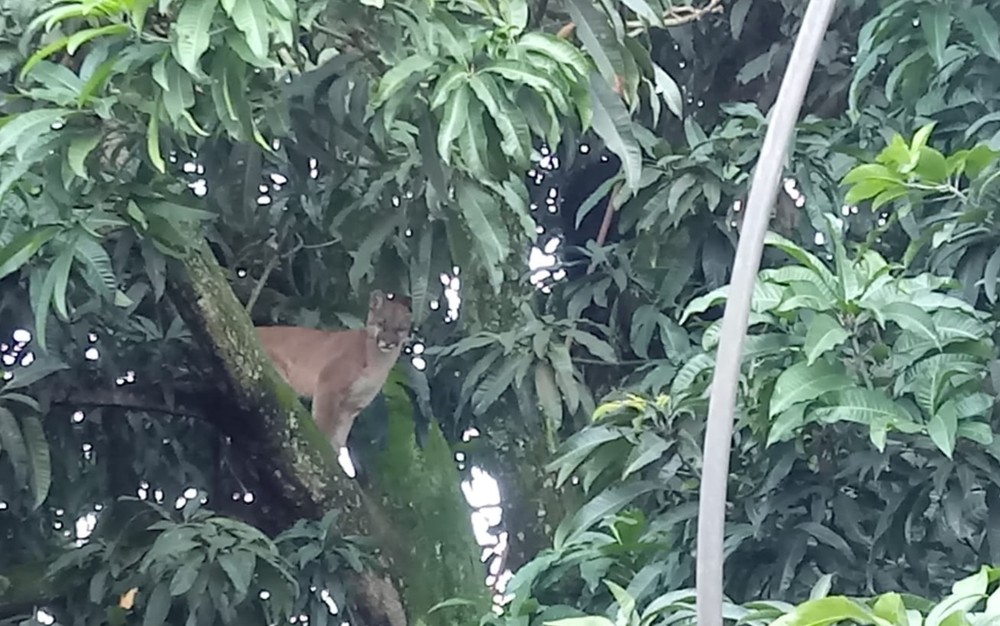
[419, 490]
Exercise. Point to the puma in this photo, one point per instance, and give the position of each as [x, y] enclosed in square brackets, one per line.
[341, 371]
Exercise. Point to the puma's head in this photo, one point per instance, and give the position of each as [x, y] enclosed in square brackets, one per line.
[389, 320]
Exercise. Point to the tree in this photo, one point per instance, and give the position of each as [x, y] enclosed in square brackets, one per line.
[164, 170]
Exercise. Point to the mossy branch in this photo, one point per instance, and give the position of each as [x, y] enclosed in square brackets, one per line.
[298, 463]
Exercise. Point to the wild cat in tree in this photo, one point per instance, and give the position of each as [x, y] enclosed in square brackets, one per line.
[341, 371]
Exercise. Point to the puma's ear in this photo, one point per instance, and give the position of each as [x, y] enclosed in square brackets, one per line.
[376, 300]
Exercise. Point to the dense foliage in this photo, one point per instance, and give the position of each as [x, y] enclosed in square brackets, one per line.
[324, 148]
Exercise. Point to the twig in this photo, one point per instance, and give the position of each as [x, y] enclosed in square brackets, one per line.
[602, 235]
[119, 398]
[273, 263]
[676, 16]
[614, 364]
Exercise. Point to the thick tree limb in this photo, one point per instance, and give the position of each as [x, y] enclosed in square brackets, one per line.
[300, 464]
[416, 515]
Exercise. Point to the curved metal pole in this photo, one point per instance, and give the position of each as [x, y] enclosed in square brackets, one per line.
[722, 402]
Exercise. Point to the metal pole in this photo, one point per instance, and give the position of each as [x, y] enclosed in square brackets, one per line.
[722, 402]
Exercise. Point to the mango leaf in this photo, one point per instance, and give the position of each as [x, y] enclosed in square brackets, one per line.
[12, 443]
[251, 19]
[497, 382]
[193, 26]
[40, 460]
[824, 334]
[24, 246]
[239, 567]
[804, 382]
[483, 219]
[589, 620]
[509, 120]
[578, 447]
[453, 122]
[784, 426]
[828, 611]
[863, 406]
[25, 128]
[598, 347]
[605, 504]
[613, 123]
[557, 49]
[943, 430]
[79, 148]
[935, 22]
[397, 76]
[669, 91]
[157, 605]
[651, 447]
[548, 395]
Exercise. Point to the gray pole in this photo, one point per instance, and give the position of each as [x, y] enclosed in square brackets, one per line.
[722, 402]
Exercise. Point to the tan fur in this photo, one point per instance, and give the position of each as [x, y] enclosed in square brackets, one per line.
[341, 371]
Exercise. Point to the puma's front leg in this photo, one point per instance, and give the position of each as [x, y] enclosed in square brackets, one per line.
[329, 406]
[341, 428]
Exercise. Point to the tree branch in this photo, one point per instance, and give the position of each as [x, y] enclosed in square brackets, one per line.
[134, 401]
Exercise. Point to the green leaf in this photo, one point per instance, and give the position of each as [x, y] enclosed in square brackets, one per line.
[890, 607]
[556, 49]
[563, 366]
[912, 318]
[184, 577]
[79, 148]
[785, 425]
[943, 430]
[548, 395]
[935, 22]
[96, 258]
[153, 141]
[804, 382]
[509, 120]
[25, 128]
[863, 406]
[157, 606]
[651, 447]
[598, 37]
[524, 75]
[81, 37]
[613, 123]
[41, 462]
[454, 121]
[394, 79]
[599, 508]
[824, 334]
[589, 620]
[485, 224]
[193, 26]
[598, 347]
[822, 587]
[983, 27]
[828, 611]
[824, 276]
[20, 250]
[12, 442]
[61, 268]
[494, 385]
[669, 91]
[577, 448]
[239, 567]
[251, 19]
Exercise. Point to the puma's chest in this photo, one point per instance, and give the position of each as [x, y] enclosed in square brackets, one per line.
[370, 381]
[365, 388]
